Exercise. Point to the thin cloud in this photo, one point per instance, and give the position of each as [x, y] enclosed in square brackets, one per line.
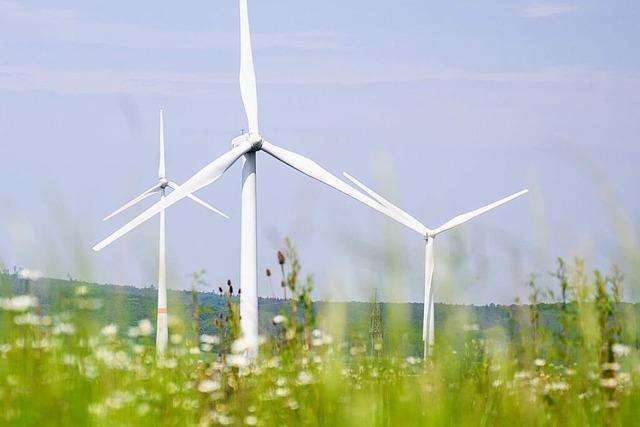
[543, 10]
[108, 81]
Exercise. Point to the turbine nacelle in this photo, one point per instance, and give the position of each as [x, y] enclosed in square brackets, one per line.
[252, 138]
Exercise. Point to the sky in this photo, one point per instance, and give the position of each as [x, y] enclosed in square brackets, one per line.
[440, 106]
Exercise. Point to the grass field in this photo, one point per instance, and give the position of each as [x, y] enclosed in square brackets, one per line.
[61, 366]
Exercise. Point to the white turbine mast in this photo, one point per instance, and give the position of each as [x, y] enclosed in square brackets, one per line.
[428, 327]
[162, 331]
[246, 146]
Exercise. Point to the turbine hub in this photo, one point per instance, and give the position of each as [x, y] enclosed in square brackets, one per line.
[164, 182]
[253, 138]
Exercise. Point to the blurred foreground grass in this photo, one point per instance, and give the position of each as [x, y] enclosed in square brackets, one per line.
[60, 366]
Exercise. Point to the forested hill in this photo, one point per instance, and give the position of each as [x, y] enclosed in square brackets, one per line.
[125, 305]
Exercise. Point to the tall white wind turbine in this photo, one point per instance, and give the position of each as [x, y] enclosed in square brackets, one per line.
[162, 331]
[246, 146]
[428, 330]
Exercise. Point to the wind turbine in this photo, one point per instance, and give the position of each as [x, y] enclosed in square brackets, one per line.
[429, 235]
[246, 146]
[162, 333]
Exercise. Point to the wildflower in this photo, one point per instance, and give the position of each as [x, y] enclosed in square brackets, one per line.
[194, 350]
[206, 347]
[274, 362]
[278, 319]
[558, 386]
[19, 303]
[412, 360]
[621, 350]
[539, 363]
[282, 392]
[64, 329]
[209, 339]
[237, 360]
[143, 409]
[68, 359]
[243, 344]
[27, 274]
[305, 378]
[250, 420]
[356, 350]
[521, 375]
[290, 334]
[27, 319]
[225, 420]
[169, 363]
[175, 339]
[293, 404]
[208, 386]
[82, 290]
[609, 383]
[584, 395]
[110, 331]
[497, 383]
[145, 328]
[624, 378]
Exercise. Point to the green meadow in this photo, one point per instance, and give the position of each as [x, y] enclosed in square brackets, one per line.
[74, 353]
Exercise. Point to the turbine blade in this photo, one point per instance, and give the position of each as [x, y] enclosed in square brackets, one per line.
[202, 178]
[461, 219]
[248, 89]
[161, 168]
[314, 170]
[133, 202]
[175, 186]
[386, 203]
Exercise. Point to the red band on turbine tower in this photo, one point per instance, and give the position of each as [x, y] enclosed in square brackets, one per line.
[162, 310]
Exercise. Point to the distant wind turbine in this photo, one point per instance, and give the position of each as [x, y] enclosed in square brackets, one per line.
[429, 235]
[162, 332]
[246, 146]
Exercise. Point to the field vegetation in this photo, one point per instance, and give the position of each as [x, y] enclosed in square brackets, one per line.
[567, 356]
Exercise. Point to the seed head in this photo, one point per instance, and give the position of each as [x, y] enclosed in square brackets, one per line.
[268, 273]
[281, 258]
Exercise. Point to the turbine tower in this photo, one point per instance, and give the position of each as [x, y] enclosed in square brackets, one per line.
[246, 146]
[162, 331]
[428, 327]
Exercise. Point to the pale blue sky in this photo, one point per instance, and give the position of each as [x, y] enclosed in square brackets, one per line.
[442, 106]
